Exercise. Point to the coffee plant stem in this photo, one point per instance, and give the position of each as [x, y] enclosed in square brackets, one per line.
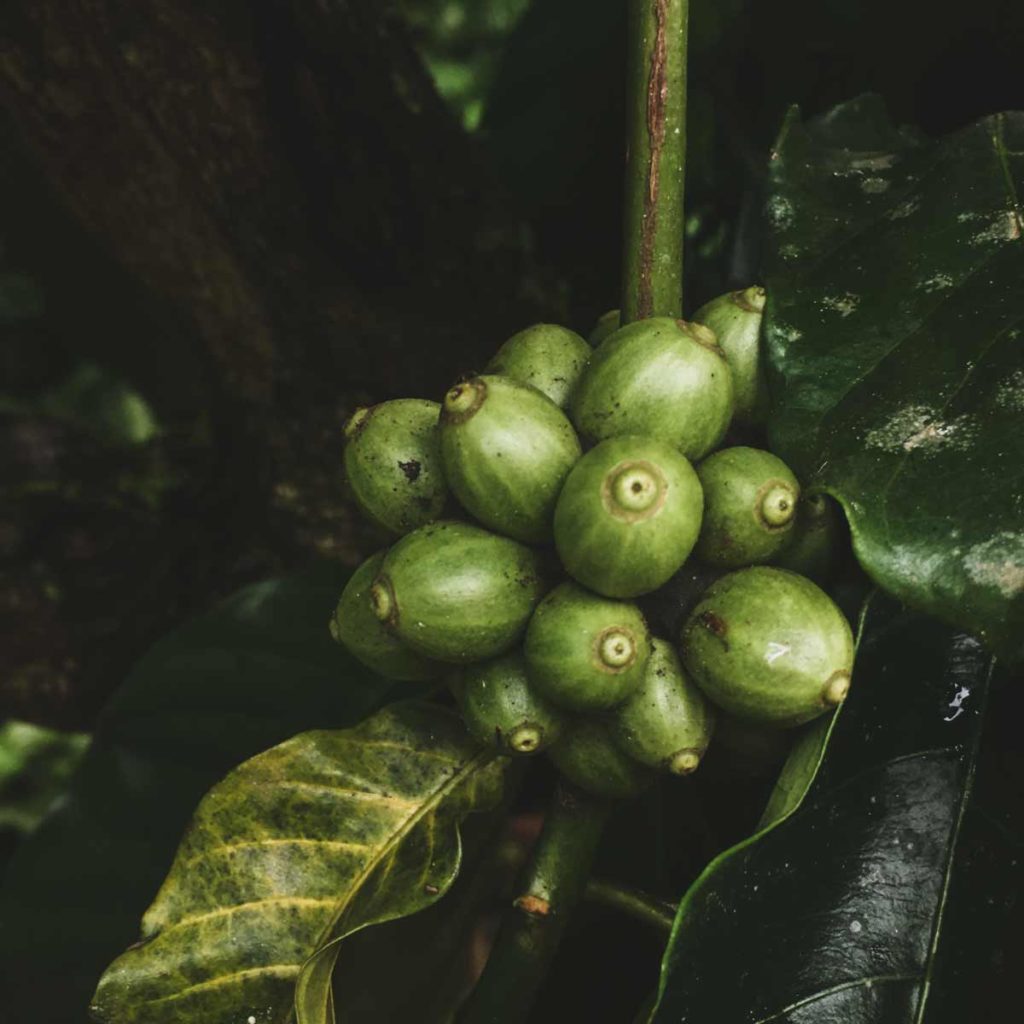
[652, 267]
[641, 906]
[552, 885]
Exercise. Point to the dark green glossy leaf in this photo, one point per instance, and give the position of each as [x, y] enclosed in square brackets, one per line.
[895, 332]
[838, 912]
[256, 669]
[297, 848]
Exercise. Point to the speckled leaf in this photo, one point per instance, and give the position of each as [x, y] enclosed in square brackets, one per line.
[839, 911]
[247, 673]
[895, 332]
[304, 844]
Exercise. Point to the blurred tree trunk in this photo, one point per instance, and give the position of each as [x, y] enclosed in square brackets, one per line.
[270, 201]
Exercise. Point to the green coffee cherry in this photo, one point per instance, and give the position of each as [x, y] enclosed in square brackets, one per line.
[736, 320]
[607, 323]
[660, 377]
[750, 504]
[587, 757]
[584, 652]
[665, 723]
[501, 709]
[457, 593]
[545, 356]
[506, 450]
[813, 545]
[354, 625]
[769, 646]
[393, 463]
[628, 515]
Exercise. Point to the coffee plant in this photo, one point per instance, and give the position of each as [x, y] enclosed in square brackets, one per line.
[776, 538]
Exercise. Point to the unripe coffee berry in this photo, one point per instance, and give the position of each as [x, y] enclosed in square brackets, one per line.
[355, 626]
[584, 652]
[502, 709]
[736, 320]
[393, 463]
[662, 378]
[750, 506]
[587, 757]
[545, 356]
[456, 592]
[665, 722]
[506, 449]
[628, 516]
[768, 645]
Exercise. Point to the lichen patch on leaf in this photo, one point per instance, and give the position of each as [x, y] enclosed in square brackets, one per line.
[919, 427]
[1010, 394]
[998, 563]
[780, 212]
[844, 304]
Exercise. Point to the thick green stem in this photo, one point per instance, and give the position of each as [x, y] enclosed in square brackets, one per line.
[633, 903]
[652, 267]
[552, 885]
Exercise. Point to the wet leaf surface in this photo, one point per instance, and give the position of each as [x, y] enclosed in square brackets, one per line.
[852, 908]
[895, 332]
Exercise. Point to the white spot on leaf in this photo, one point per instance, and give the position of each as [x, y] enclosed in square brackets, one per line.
[937, 283]
[998, 563]
[1010, 394]
[1005, 228]
[844, 305]
[918, 427]
[904, 209]
[779, 211]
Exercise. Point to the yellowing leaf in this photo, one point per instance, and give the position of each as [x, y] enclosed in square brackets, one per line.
[298, 847]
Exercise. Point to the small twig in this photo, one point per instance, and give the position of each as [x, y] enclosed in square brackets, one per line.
[552, 886]
[643, 907]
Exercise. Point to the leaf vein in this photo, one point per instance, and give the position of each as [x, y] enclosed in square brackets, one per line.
[857, 983]
[274, 970]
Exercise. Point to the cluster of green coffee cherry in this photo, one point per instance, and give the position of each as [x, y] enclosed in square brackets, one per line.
[591, 474]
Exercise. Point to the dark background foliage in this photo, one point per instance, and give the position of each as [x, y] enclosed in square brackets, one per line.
[223, 227]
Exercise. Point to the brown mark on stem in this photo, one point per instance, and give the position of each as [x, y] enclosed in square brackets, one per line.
[657, 97]
[535, 906]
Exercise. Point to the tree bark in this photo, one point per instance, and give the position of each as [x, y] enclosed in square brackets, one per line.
[271, 202]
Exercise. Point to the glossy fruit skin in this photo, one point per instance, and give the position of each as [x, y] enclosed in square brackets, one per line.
[607, 323]
[769, 646]
[502, 710]
[506, 450]
[816, 541]
[736, 320]
[605, 539]
[393, 463]
[458, 593]
[659, 377]
[750, 506]
[666, 722]
[545, 356]
[354, 625]
[587, 757]
[584, 652]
